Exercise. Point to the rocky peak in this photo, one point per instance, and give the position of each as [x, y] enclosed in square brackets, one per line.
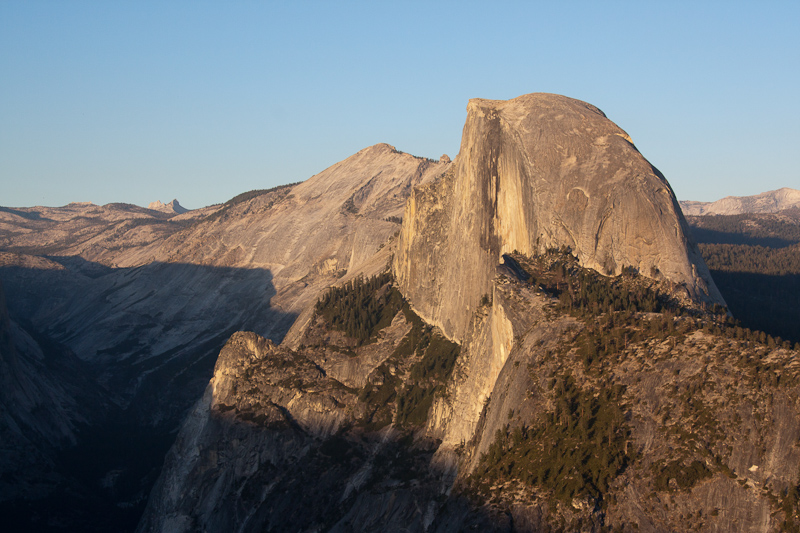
[537, 172]
[172, 207]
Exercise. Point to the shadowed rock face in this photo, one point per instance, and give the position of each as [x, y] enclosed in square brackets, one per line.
[535, 172]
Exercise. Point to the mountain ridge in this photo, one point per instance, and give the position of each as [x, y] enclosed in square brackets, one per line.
[765, 202]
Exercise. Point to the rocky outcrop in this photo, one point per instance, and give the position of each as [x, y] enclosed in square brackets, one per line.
[496, 330]
[736, 433]
[172, 208]
[537, 172]
[766, 202]
[274, 420]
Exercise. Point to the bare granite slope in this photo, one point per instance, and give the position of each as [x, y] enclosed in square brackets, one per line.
[41, 386]
[536, 172]
[254, 264]
[147, 300]
[314, 232]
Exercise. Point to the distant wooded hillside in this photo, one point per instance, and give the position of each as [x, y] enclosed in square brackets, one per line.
[755, 262]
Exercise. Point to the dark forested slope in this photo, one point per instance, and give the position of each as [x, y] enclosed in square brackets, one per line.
[755, 261]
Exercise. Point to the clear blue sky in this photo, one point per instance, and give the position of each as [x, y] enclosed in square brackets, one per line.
[141, 101]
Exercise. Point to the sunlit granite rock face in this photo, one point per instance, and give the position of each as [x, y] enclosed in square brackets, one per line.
[536, 172]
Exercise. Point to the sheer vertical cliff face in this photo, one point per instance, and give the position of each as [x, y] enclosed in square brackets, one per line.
[535, 172]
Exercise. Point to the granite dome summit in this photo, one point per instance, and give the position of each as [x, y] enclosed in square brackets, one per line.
[537, 172]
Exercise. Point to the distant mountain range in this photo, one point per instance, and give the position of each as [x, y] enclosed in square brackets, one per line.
[766, 202]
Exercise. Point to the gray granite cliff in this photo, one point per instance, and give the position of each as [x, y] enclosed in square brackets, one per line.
[537, 172]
